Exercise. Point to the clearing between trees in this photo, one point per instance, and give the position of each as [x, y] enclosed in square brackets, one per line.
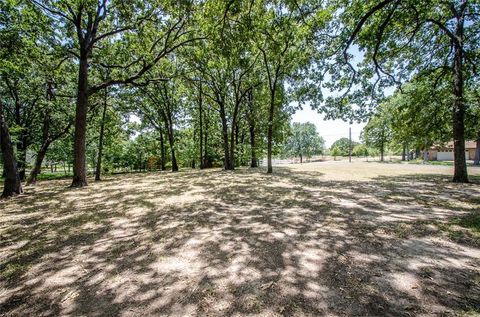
[328, 238]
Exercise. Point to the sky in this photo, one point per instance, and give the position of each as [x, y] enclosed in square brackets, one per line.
[330, 130]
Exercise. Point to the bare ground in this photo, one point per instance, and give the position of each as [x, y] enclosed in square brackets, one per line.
[335, 239]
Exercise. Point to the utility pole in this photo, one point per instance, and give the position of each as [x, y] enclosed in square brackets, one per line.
[350, 144]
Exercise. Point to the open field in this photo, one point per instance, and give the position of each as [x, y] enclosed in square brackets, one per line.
[331, 238]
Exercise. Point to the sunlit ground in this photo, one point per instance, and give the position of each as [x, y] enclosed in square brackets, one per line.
[315, 239]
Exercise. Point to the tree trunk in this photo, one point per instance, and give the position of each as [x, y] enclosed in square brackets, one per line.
[460, 164]
[12, 185]
[226, 159]
[162, 152]
[171, 141]
[22, 156]
[270, 132]
[253, 152]
[192, 165]
[382, 151]
[301, 158]
[79, 148]
[200, 126]
[404, 152]
[232, 147]
[98, 170]
[37, 168]
[251, 126]
[206, 160]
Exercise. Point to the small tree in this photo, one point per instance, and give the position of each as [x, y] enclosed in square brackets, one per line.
[304, 141]
[335, 152]
[360, 150]
[343, 145]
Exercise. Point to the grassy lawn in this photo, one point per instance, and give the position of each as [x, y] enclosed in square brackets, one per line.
[327, 238]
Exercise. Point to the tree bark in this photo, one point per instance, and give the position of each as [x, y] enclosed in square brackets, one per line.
[232, 147]
[404, 151]
[253, 152]
[37, 168]
[460, 164]
[12, 185]
[79, 148]
[22, 140]
[200, 123]
[382, 151]
[172, 151]
[234, 134]
[98, 170]
[162, 152]
[271, 113]
[251, 126]
[206, 160]
[171, 141]
[226, 159]
[22, 155]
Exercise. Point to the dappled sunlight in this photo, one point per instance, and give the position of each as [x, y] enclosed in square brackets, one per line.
[239, 243]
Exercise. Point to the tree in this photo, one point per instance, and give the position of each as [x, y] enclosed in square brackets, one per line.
[419, 115]
[280, 35]
[335, 151]
[360, 150]
[22, 34]
[87, 25]
[377, 133]
[404, 38]
[343, 145]
[12, 184]
[304, 141]
[224, 65]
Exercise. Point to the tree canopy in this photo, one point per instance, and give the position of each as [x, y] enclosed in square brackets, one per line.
[304, 141]
[103, 86]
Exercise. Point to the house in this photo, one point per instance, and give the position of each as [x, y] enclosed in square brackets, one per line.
[445, 152]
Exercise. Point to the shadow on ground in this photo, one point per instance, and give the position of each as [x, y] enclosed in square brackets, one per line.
[214, 243]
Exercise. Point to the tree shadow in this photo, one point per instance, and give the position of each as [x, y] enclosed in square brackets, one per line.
[239, 243]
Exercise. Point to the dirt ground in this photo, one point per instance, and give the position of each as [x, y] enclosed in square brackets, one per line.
[318, 239]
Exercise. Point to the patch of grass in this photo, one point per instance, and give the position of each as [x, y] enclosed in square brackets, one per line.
[471, 221]
[52, 176]
[47, 176]
[470, 312]
[436, 163]
[13, 270]
[464, 229]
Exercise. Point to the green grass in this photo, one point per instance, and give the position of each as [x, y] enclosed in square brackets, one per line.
[438, 163]
[464, 229]
[46, 176]
[471, 221]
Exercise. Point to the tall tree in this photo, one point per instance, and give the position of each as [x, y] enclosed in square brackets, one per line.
[304, 141]
[12, 184]
[377, 132]
[151, 31]
[402, 38]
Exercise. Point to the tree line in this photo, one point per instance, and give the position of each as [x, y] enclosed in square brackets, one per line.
[108, 84]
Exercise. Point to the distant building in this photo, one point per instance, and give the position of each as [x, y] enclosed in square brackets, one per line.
[445, 152]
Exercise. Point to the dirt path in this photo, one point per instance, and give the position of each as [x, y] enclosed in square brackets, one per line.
[334, 239]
